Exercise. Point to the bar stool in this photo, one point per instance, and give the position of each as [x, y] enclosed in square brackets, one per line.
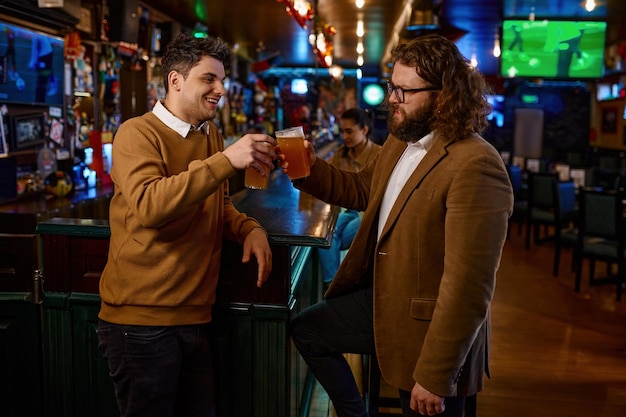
[378, 405]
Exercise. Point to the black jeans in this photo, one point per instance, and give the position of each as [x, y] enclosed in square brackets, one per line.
[326, 330]
[159, 371]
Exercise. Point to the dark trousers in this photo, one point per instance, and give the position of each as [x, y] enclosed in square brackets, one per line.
[159, 371]
[326, 330]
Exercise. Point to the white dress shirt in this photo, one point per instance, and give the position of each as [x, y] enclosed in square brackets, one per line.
[181, 127]
[410, 159]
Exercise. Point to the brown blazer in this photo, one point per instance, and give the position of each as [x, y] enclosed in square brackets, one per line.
[434, 266]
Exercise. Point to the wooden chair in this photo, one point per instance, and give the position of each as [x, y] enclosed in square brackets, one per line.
[601, 236]
[551, 213]
[608, 179]
[379, 405]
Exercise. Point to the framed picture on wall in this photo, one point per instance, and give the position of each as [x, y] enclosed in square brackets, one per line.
[85, 23]
[27, 130]
[609, 120]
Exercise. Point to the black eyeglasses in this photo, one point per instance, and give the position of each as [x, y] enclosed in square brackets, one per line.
[399, 92]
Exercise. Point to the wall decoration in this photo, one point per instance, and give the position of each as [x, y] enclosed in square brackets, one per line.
[609, 120]
[301, 10]
[85, 23]
[28, 130]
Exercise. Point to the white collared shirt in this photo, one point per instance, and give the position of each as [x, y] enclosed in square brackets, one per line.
[181, 127]
[410, 159]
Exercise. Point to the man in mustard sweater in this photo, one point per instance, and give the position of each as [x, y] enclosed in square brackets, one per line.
[168, 216]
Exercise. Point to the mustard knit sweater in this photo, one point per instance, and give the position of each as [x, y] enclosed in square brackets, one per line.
[168, 215]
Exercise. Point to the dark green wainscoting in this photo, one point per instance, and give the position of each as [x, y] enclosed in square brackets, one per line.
[76, 377]
[20, 356]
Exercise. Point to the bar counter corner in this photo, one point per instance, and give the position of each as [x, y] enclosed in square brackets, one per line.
[258, 371]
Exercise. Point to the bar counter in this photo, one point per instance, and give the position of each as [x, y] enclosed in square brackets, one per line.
[290, 217]
[257, 369]
[21, 215]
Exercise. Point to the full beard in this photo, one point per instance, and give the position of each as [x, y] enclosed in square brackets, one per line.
[414, 126]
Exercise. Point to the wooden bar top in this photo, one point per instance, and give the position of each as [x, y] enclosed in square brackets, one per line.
[44, 203]
[94, 228]
[291, 217]
[23, 214]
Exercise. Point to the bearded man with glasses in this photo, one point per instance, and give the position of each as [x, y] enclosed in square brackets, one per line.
[416, 286]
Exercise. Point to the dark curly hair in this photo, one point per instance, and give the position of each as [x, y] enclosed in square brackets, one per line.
[461, 107]
[185, 51]
[363, 118]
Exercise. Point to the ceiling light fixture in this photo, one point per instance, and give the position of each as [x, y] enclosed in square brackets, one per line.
[496, 48]
[360, 31]
[590, 5]
[474, 61]
[336, 72]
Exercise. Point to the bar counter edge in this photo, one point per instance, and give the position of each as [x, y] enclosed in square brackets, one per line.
[258, 371]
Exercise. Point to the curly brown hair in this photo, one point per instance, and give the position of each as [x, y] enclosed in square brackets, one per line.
[461, 107]
[185, 51]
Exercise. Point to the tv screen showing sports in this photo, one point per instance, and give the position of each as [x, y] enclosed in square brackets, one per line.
[572, 10]
[553, 49]
[31, 66]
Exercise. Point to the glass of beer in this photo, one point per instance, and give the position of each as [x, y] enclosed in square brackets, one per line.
[291, 144]
[255, 180]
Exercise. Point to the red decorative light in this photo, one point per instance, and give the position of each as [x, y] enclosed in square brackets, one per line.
[302, 19]
[324, 50]
[322, 58]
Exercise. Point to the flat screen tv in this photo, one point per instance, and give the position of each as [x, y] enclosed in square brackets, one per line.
[555, 49]
[574, 10]
[31, 66]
